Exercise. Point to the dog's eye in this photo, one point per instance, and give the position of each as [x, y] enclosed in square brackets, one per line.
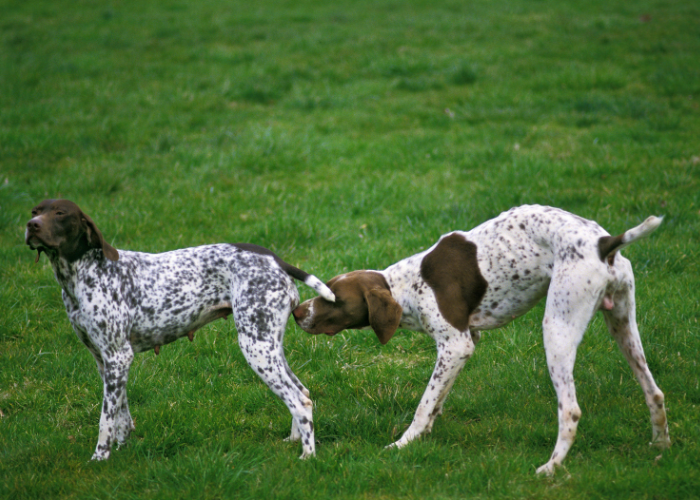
[34, 212]
[60, 213]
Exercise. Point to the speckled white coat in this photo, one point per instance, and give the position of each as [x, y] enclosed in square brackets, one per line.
[134, 302]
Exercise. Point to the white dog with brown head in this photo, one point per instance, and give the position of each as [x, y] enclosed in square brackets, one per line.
[483, 279]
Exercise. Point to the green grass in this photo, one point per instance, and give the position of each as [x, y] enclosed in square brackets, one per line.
[347, 135]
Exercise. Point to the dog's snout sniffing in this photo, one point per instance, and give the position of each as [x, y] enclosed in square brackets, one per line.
[302, 314]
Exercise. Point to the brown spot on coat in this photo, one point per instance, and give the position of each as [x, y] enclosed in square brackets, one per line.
[452, 271]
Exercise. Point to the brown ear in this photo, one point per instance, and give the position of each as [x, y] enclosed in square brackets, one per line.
[95, 240]
[384, 313]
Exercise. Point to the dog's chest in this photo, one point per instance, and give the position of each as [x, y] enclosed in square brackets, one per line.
[89, 292]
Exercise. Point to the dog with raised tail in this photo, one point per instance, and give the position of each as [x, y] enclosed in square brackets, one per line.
[482, 279]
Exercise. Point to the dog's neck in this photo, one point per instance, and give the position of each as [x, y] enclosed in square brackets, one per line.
[403, 279]
[403, 276]
[67, 271]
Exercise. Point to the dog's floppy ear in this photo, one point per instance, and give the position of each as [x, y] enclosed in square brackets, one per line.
[95, 239]
[384, 313]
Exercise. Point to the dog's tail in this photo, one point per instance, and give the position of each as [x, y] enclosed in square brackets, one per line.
[609, 245]
[309, 279]
[317, 285]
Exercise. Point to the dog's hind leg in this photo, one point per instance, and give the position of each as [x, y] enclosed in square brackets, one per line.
[567, 314]
[622, 324]
[260, 328]
[267, 360]
[295, 435]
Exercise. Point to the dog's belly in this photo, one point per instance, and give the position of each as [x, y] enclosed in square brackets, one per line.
[163, 329]
[517, 268]
[503, 302]
[495, 314]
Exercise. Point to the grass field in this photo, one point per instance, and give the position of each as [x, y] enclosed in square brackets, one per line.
[347, 135]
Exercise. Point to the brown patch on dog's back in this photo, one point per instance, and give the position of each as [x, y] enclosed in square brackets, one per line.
[452, 271]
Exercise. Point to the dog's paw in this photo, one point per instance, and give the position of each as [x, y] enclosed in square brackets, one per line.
[662, 444]
[397, 444]
[99, 456]
[306, 455]
[546, 470]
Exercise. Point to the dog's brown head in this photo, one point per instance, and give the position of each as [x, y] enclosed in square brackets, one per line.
[362, 299]
[59, 227]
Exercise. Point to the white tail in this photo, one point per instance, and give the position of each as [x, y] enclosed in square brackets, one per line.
[318, 285]
[609, 245]
[641, 231]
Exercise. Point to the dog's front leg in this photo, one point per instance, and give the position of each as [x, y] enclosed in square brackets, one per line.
[113, 420]
[453, 350]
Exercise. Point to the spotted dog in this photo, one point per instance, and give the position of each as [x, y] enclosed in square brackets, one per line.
[483, 279]
[121, 303]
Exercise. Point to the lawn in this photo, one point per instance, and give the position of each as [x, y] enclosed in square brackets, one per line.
[348, 135]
